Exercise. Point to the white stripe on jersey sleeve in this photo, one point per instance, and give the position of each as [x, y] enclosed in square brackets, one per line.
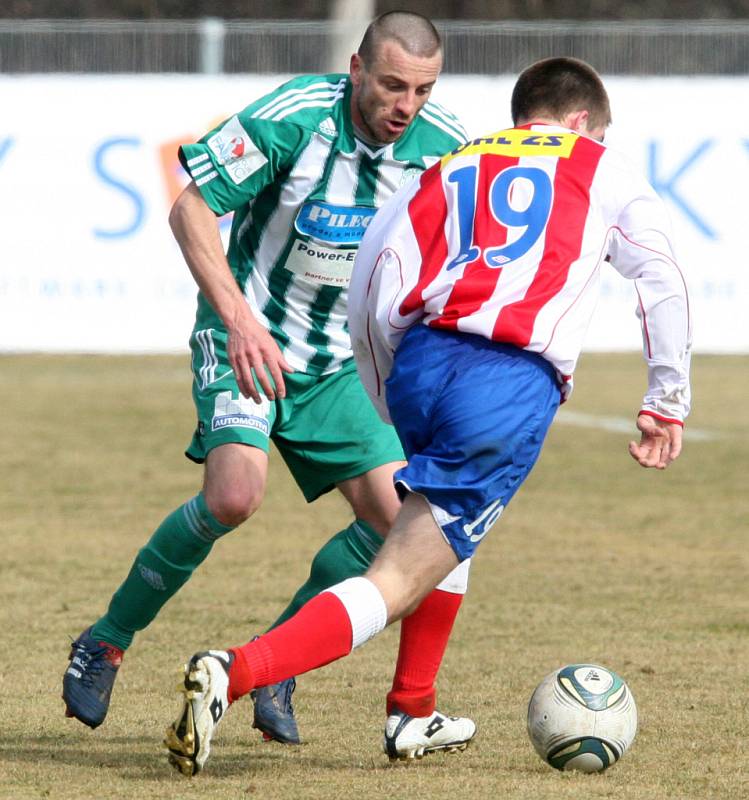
[200, 170]
[445, 121]
[307, 101]
[191, 162]
[295, 95]
[448, 116]
[206, 178]
[308, 104]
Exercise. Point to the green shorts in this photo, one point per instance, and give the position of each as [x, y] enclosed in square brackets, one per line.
[326, 428]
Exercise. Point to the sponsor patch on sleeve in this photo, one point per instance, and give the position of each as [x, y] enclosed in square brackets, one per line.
[235, 151]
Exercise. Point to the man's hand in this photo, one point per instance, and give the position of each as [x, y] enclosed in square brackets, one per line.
[251, 349]
[660, 442]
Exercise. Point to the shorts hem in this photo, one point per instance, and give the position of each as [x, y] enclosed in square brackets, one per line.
[318, 490]
[198, 450]
[403, 489]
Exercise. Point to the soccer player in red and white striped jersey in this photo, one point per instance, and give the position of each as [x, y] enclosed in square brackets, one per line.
[470, 298]
[505, 238]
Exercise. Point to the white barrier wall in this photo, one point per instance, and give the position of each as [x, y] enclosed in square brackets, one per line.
[88, 172]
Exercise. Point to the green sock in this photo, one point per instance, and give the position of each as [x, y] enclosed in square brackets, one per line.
[346, 555]
[178, 546]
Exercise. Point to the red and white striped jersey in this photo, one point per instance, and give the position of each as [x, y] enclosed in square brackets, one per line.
[505, 237]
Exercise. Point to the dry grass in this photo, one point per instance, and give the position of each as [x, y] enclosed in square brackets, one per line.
[595, 560]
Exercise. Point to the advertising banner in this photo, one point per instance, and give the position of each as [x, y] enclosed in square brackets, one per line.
[88, 173]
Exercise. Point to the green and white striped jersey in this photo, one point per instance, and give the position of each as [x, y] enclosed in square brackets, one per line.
[304, 189]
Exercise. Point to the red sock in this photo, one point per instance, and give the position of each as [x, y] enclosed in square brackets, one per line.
[424, 636]
[320, 632]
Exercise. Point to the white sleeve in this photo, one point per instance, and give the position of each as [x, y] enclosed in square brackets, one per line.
[373, 351]
[381, 278]
[641, 250]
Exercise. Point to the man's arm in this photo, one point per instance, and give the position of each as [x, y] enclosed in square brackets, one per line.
[250, 346]
[641, 250]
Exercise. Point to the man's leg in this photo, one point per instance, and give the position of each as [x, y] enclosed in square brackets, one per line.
[234, 483]
[423, 641]
[348, 553]
[424, 634]
[375, 504]
[426, 631]
[414, 558]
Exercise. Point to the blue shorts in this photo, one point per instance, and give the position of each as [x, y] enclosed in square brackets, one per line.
[472, 416]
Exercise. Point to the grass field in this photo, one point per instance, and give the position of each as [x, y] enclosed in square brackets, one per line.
[595, 560]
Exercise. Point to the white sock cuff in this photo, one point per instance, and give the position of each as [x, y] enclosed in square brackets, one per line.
[365, 607]
[457, 581]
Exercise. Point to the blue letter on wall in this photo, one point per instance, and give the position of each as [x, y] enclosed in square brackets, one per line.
[137, 200]
[4, 147]
[667, 187]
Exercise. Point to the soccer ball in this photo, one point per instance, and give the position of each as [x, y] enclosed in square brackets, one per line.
[583, 717]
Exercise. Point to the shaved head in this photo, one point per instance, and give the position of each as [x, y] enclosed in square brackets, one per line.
[392, 75]
[414, 33]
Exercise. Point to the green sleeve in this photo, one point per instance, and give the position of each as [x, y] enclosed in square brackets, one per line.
[235, 161]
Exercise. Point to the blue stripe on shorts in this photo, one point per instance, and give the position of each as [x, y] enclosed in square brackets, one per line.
[472, 416]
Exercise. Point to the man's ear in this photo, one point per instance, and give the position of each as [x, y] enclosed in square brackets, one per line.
[576, 120]
[356, 66]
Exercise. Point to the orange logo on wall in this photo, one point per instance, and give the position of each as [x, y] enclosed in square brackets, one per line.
[175, 177]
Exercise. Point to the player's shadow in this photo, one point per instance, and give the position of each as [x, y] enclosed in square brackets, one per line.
[134, 757]
[128, 755]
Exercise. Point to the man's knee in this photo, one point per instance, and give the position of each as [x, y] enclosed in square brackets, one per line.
[378, 518]
[373, 498]
[232, 504]
[234, 482]
[413, 560]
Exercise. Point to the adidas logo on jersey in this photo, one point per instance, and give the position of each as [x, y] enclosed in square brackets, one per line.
[327, 127]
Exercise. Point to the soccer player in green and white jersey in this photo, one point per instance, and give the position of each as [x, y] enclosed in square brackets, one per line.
[304, 170]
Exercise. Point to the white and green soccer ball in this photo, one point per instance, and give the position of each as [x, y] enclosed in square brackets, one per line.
[583, 717]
